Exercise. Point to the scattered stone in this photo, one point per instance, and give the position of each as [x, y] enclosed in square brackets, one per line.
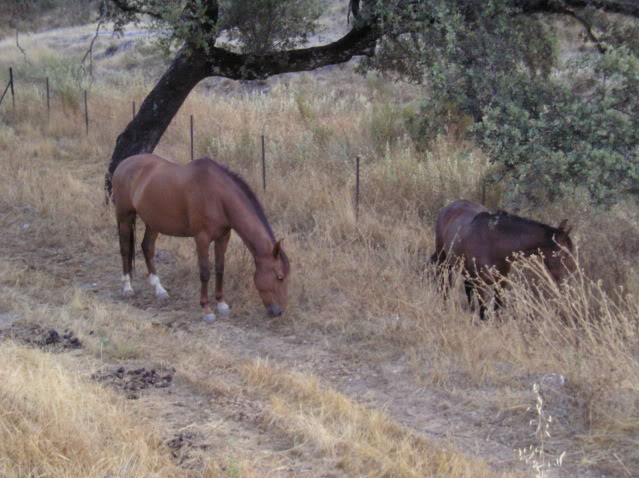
[553, 381]
[181, 439]
[7, 319]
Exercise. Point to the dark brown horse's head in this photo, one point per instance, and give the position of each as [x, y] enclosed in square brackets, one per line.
[271, 280]
[559, 257]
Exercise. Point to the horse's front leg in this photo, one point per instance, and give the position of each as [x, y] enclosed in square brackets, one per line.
[202, 243]
[499, 288]
[220, 249]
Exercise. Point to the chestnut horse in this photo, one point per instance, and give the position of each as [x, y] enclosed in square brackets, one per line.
[203, 200]
[485, 243]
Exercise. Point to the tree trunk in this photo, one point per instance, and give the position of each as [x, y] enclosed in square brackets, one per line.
[190, 67]
[159, 108]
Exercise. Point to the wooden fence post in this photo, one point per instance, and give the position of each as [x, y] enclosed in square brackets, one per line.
[263, 164]
[191, 137]
[86, 111]
[357, 189]
[13, 94]
[48, 101]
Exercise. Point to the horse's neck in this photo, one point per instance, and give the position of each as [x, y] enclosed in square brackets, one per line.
[528, 242]
[245, 221]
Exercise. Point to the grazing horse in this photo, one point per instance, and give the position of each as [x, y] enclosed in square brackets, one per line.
[485, 243]
[203, 200]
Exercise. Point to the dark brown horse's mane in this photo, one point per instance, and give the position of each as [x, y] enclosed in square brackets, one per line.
[250, 195]
[252, 199]
[512, 224]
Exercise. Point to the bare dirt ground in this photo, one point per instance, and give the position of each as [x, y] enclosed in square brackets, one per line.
[197, 422]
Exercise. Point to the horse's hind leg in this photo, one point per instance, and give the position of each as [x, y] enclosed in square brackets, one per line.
[126, 233]
[499, 301]
[443, 273]
[202, 243]
[469, 288]
[220, 250]
[148, 248]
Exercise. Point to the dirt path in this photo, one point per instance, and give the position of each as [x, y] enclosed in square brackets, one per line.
[188, 415]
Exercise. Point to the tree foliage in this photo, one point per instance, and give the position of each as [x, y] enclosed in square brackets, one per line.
[549, 124]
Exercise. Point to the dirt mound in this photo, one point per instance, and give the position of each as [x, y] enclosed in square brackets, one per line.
[133, 380]
[34, 335]
[184, 446]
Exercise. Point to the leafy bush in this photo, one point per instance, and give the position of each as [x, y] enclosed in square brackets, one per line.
[548, 140]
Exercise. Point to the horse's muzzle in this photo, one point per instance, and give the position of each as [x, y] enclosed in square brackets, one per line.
[274, 310]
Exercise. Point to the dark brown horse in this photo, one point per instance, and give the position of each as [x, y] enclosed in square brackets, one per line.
[485, 243]
[203, 200]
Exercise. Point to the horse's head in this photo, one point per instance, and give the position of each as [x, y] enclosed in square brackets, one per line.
[559, 258]
[271, 280]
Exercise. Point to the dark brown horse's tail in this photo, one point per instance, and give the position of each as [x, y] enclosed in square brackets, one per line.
[438, 258]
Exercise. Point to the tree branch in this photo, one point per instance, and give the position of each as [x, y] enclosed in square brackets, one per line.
[623, 7]
[12, 24]
[359, 41]
[89, 52]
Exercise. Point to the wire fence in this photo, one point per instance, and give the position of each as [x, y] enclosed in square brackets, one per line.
[87, 122]
[358, 163]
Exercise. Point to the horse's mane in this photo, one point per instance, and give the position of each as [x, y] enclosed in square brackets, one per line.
[509, 223]
[253, 201]
[250, 195]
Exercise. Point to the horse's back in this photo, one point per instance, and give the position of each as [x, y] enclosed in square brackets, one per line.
[171, 198]
[453, 222]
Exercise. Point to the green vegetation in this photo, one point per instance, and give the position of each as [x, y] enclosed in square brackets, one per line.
[495, 75]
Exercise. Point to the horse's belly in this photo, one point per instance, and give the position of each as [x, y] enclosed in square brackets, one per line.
[165, 217]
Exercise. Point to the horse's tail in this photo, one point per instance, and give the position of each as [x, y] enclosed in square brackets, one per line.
[438, 258]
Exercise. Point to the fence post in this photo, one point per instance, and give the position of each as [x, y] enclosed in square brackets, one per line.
[13, 94]
[86, 111]
[191, 137]
[48, 101]
[263, 165]
[357, 189]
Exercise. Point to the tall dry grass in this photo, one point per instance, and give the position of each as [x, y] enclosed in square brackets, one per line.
[365, 283]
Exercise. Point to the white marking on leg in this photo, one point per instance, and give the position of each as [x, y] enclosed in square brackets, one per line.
[223, 309]
[160, 292]
[127, 290]
[209, 318]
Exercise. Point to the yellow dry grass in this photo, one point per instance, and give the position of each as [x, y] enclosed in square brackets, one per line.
[54, 423]
[364, 285]
[364, 442]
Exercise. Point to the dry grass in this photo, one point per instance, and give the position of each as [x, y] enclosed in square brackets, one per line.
[363, 442]
[56, 424]
[363, 284]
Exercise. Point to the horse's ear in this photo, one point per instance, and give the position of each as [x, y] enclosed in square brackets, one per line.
[277, 248]
[562, 225]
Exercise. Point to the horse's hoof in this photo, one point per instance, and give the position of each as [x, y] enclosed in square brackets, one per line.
[209, 318]
[128, 293]
[223, 309]
[164, 295]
